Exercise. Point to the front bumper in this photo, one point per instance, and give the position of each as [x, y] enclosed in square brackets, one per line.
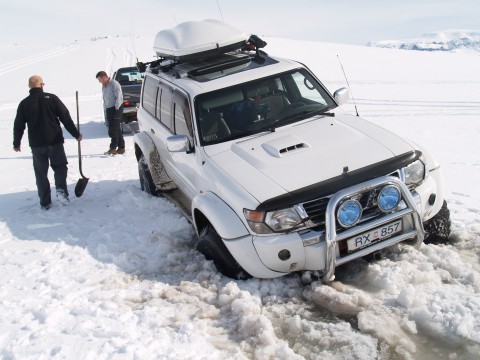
[409, 215]
[319, 250]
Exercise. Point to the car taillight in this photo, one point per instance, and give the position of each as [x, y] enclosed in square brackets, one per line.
[127, 103]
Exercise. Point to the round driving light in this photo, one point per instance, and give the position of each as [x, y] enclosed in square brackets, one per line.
[388, 198]
[349, 213]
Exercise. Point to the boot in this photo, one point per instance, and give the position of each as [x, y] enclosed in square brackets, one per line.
[62, 197]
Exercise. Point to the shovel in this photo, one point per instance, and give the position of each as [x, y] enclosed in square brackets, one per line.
[81, 183]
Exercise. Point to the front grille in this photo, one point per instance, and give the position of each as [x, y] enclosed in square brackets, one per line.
[316, 210]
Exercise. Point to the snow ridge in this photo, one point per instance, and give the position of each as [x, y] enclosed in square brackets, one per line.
[448, 40]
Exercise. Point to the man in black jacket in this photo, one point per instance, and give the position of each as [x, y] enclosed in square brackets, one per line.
[43, 112]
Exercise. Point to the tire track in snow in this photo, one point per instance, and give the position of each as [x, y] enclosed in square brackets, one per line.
[382, 107]
[420, 103]
[20, 63]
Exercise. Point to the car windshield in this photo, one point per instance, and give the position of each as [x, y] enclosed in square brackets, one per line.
[129, 76]
[260, 105]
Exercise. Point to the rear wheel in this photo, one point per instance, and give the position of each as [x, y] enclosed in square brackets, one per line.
[438, 228]
[211, 245]
[146, 180]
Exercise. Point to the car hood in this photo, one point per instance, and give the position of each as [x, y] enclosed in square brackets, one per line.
[306, 153]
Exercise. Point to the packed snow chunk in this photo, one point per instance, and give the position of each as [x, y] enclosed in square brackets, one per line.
[466, 326]
[409, 298]
[254, 330]
[454, 316]
[338, 298]
[328, 340]
[385, 326]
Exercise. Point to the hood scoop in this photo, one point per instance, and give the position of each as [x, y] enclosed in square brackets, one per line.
[284, 146]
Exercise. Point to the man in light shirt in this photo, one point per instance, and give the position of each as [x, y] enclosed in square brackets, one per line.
[113, 105]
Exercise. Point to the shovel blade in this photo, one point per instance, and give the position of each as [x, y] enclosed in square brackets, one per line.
[80, 187]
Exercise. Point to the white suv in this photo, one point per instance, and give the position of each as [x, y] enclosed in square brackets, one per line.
[261, 159]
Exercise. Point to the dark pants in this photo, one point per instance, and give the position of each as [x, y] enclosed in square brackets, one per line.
[114, 131]
[42, 156]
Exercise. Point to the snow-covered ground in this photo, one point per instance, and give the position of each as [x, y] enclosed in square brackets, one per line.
[115, 275]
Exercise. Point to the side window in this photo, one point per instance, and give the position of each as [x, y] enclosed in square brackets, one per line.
[308, 88]
[149, 94]
[182, 115]
[166, 106]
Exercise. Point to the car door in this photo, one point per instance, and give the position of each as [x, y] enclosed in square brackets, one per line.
[183, 167]
[162, 128]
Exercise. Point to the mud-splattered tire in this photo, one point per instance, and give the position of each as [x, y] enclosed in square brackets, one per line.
[146, 181]
[211, 245]
[438, 228]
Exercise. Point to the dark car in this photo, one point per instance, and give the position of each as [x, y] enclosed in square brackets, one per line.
[130, 78]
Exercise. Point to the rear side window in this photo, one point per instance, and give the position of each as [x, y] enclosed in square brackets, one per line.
[166, 106]
[149, 94]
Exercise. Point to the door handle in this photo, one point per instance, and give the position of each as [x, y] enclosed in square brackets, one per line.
[152, 131]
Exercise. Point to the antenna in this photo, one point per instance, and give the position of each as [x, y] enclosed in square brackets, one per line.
[354, 103]
[220, 11]
[132, 38]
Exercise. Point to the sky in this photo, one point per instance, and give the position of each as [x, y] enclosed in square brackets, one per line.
[341, 21]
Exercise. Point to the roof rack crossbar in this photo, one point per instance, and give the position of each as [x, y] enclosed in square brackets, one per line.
[219, 67]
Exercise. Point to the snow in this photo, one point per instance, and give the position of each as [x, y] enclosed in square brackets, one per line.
[448, 40]
[115, 275]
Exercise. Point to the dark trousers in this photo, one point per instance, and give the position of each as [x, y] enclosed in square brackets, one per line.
[114, 130]
[42, 157]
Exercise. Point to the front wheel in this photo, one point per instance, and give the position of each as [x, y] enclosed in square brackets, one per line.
[211, 245]
[146, 180]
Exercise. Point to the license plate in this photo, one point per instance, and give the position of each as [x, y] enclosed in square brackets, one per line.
[373, 236]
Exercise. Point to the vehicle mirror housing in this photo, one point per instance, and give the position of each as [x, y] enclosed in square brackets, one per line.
[341, 96]
[178, 143]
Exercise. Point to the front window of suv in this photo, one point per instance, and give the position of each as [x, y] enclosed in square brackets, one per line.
[260, 105]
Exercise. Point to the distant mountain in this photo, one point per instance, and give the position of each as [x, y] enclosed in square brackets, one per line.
[448, 40]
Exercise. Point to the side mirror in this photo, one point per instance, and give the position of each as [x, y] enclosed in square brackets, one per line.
[341, 96]
[178, 143]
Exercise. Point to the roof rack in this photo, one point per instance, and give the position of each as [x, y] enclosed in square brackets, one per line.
[233, 55]
[208, 69]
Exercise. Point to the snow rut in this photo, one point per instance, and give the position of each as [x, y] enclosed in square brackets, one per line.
[42, 56]
[376, 107]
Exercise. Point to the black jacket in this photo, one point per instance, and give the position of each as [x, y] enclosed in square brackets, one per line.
[43, 113]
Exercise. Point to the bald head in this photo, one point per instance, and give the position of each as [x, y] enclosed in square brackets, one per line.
[35, 81]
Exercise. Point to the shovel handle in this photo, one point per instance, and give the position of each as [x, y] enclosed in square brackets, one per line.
[78, 127]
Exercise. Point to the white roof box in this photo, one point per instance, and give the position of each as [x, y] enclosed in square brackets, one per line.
[198, 39]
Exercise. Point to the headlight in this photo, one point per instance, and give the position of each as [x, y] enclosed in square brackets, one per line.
[262, 222]
[414, 173]
[388, 198]
[349, 213]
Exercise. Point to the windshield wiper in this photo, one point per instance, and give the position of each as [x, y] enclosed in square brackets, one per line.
[252, 132]
[327, 114]
[301, 115]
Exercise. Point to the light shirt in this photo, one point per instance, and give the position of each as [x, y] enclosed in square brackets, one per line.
[112, 94]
